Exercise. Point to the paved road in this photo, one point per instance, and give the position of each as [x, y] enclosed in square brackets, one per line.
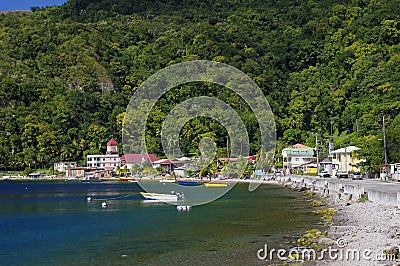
[368, 184]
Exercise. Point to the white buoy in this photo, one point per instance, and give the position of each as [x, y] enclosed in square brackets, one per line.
[88, 199]
[183, 207]
[103, 204]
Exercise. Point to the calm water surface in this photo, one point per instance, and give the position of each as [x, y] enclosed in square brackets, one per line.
[43, 223]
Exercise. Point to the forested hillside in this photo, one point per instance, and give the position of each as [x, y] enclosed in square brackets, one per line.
[67, 73]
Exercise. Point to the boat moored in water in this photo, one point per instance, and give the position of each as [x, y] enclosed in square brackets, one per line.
[216, 184]
[189, 182]
[167, 180]
[159, 197]
[127, 179]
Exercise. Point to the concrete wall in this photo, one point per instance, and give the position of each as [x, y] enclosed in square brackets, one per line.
[383, 197]
[328, 187]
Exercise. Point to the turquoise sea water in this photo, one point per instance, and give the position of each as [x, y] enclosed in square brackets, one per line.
[48, 223]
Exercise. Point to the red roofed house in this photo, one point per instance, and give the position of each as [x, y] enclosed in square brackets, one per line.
[108, 161]
[167, 164]
[138, 158]
[297, 156]
[112, 146]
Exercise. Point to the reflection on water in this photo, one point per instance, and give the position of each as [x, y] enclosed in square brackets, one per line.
[57, 225]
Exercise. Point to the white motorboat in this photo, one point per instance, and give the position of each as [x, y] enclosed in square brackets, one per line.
[169, 180]
[160, 197]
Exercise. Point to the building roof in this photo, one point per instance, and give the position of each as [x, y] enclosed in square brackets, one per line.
[326, 161]
[298, 150]
[347, 149]
[112, 142]
[299, 146]
[251, 158]
[139, 158]
[183, 159]
[166, 161]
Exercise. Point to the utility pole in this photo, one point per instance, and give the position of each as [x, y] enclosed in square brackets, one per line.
[345, 154]
[384, 139]
[316, 149]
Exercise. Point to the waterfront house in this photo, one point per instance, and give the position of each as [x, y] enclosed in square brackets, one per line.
[63, 166]
[346, 160]
[78, 171]
[108, 161]
[129, 160]
[167, 164]
[298, 157]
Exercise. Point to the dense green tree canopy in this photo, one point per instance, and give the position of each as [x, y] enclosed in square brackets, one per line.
[67, 73]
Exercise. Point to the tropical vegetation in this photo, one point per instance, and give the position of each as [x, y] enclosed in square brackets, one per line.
[67, 73]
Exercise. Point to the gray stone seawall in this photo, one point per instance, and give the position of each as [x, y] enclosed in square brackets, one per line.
[336, 188]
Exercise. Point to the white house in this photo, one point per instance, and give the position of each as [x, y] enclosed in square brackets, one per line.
[108, 161]
[63, 166]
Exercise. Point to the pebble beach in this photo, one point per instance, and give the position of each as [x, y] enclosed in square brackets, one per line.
[366, 229]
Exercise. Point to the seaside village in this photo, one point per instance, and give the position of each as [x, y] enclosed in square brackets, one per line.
[297, 159]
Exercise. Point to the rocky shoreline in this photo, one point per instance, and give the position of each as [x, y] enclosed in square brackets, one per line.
[358, 232]
[365, 233]
[355, 231]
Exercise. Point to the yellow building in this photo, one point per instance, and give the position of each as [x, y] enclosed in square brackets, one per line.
[346, 160]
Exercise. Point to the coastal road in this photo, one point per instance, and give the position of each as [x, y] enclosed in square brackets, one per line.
[368, 184]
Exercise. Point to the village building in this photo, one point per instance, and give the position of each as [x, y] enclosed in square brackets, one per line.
[299, 157]
[63, 166]
[108, 161]
[390, 172]
[78, 171]
[346, 160]
[135, 159]
[326, 164]
[167, 165]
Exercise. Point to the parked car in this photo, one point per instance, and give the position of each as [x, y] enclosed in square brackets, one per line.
[324, 174]
[342, 174]
[356, 176]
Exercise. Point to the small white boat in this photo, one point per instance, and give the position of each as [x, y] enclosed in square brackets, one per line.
[159, 197]
[167, 180]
